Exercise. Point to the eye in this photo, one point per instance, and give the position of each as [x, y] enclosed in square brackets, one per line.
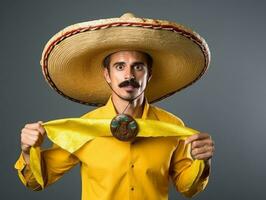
[138, 67]
[119, 67]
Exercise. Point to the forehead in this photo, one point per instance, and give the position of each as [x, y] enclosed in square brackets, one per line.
[128, 56]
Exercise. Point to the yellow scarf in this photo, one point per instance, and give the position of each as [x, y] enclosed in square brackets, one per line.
[72, 133]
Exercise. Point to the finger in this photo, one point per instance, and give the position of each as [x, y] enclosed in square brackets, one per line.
[36, 126]
[33, 125]
[201, 143]
[27, 131]
[29, 139]
[196, 137]
[41, 129]
[25, 140]
[33, 138]
[201, 150]
[203, 156]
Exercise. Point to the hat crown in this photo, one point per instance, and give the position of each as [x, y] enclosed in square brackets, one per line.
[128, 16]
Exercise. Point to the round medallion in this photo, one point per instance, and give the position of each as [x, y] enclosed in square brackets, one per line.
[124, 127]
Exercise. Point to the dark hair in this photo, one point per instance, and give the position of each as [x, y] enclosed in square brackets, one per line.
[106, 62]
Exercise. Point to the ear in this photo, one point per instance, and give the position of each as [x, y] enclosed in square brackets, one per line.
[149, 74]
[106, 75]
[149, 78]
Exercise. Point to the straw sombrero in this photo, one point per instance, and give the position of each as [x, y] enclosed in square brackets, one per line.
[72, 59]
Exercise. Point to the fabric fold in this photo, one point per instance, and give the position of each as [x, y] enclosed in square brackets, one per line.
[35, 164]
[196, 170]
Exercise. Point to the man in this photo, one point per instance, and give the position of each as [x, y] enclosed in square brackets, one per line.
[137, 162]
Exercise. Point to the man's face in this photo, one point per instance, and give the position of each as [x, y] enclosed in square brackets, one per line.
[125, 66]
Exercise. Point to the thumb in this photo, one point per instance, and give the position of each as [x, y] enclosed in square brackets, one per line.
[42, 130]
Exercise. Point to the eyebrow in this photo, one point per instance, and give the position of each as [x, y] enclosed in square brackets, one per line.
[134, 63]
[119, 63]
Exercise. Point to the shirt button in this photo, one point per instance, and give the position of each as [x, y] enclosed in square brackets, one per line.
[132, 188]
[132, 166]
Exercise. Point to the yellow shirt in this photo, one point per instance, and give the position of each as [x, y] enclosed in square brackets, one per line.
[112, 169]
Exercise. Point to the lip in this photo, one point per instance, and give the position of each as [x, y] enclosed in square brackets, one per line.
[129, 88]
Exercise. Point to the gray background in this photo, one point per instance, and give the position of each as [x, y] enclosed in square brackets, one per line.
[228, 102]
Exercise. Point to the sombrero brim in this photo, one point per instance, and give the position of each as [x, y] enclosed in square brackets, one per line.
[72, 59]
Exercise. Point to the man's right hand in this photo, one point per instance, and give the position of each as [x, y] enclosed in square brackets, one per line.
[31, 135]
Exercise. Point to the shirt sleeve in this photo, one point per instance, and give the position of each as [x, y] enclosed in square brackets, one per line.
[189, 176]
[54, 163]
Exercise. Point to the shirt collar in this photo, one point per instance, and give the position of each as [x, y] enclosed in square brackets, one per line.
[109, 107]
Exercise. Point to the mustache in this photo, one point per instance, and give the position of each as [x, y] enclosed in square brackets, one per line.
[131, 82]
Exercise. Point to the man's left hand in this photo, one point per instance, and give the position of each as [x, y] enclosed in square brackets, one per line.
[202, 146]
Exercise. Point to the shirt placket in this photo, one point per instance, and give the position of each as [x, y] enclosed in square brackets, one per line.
[131, 170]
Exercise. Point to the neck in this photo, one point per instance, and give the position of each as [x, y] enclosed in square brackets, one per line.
[134, 109]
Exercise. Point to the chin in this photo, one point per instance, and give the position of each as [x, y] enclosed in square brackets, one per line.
[129, 96]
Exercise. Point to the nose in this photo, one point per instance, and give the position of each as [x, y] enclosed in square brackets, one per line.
[129, 73]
